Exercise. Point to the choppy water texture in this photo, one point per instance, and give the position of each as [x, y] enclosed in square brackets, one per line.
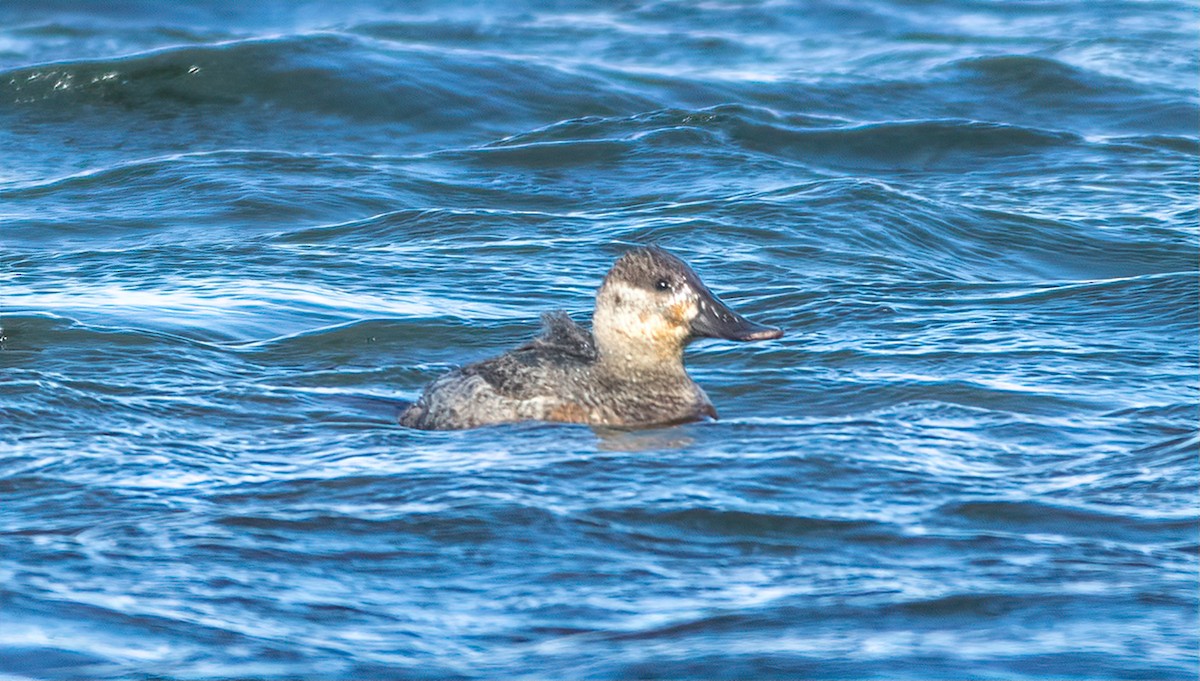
[234, 236]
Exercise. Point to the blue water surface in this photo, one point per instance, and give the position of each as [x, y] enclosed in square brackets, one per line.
[236, 236]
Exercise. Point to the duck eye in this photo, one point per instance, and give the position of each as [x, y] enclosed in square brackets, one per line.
[662, 285]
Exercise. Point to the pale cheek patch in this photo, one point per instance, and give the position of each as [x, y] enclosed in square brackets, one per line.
[683, 311]
[630, 297]
[667, 327]
[642, 316]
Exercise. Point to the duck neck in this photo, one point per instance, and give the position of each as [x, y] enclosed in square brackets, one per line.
[632, 357]
[639, 363]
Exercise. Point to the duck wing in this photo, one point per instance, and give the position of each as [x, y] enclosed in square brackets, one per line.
[538, 368]
[562, 336]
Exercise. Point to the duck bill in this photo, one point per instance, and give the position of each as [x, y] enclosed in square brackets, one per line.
[716, 320]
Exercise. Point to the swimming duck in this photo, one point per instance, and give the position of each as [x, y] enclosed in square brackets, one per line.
[626, 372]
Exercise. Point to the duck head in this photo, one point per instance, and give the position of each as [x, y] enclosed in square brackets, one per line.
[651, 305]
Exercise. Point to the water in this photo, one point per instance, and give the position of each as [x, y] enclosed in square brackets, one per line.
[235, 236]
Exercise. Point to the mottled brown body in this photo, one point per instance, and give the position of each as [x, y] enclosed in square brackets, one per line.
[627, 372]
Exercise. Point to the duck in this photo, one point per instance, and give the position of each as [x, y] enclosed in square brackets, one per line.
[626, 372]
